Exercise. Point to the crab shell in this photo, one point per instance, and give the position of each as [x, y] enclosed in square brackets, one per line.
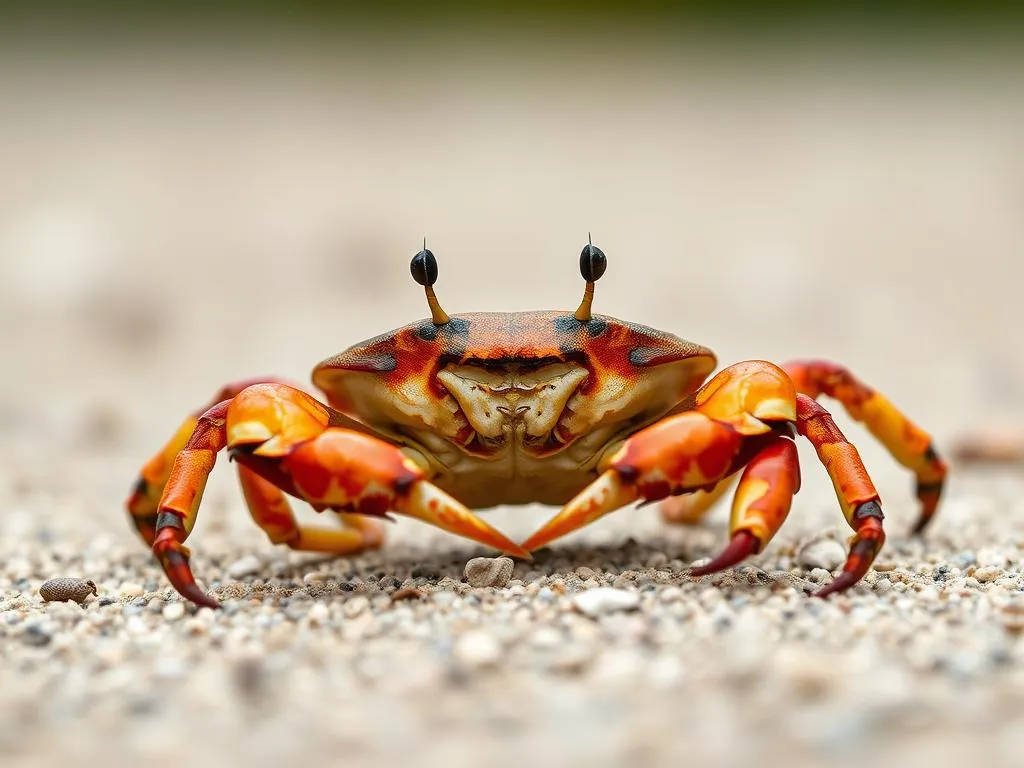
[513, 408]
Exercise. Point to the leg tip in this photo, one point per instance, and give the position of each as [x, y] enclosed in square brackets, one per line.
[742, 545]
[840, 583]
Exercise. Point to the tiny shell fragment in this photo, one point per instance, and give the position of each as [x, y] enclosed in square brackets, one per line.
[67, 588]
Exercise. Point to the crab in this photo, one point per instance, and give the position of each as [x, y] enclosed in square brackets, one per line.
[576, 410]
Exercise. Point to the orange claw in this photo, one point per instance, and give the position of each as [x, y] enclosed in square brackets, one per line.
[604, 495]
[350, 471]
[425, 501]
[760, 504]
[283, 438]
[680, 453]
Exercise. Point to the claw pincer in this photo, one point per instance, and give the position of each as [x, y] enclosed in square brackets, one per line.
[286, 438]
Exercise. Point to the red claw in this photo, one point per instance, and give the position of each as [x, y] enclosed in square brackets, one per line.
[175, 564]
[743, 545]
[862, 554]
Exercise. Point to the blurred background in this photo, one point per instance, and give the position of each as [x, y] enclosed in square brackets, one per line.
[190, 196]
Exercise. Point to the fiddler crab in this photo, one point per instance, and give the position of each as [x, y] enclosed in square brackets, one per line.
[571, 409]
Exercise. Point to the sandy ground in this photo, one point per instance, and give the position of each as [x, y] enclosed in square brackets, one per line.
[171, 222]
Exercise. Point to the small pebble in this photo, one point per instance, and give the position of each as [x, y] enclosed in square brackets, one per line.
[477, 648]
[822, 553]
[174, 611]
[130, 590]
[603, 600]
[987, 573]
[244, 566]
[355, 606]
[489, 571]
[67, 588]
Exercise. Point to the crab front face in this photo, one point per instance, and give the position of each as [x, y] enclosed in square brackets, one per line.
[535, 384]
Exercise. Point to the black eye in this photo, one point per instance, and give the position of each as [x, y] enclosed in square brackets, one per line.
[424, 267]
[593, 263]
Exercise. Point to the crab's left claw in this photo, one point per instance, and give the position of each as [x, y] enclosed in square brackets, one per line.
[683, 452]
[606, 494]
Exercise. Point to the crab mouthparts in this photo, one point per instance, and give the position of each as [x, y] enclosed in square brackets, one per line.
[513, 401]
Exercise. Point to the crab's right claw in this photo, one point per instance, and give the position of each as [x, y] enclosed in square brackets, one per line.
[426, 502]
[352, 472]
[173, 558]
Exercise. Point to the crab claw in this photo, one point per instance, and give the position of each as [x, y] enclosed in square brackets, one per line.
[606, 494]
[173, 558]
[866, 543]
[426, 502]
[741, 546]
[351, 472]
[681, 453]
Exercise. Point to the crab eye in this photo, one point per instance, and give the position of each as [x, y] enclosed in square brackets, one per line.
[593, 263]
[424, 268]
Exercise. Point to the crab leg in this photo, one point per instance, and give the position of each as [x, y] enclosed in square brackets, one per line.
[272, 512]
[145, 496]
[856, 492]
[740, 419]
[760, 504]
[681, 453]
[690, 508]
[909, 444]
[286, 438]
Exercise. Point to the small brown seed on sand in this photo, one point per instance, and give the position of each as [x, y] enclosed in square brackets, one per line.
[66, 588]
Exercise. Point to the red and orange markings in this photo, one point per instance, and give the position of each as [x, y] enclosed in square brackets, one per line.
[689, 450]
[286, 443]
[765, 491]
[338, 467]
[910, 445]
[748, 394]
[839, 457]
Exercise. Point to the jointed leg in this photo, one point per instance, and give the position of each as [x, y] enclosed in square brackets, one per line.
[272, 512]
[284, 440]
[761, 503]
[736, 413]
[691, 508]
[854, 488]
[909, 444]
[145, 495]
[742, 418]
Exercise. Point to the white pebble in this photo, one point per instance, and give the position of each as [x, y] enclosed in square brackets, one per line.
[130, 589]
[597, 602]
[671, 595]
[355, 606]
[318, 615]
[174, 611]
[822, 553]
[546, 637]
[244, 566]
[477, 649]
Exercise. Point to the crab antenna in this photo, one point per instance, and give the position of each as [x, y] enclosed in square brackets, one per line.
[593, 263]
[424, 272]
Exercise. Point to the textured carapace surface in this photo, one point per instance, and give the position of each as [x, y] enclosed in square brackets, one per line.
[513, 407]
